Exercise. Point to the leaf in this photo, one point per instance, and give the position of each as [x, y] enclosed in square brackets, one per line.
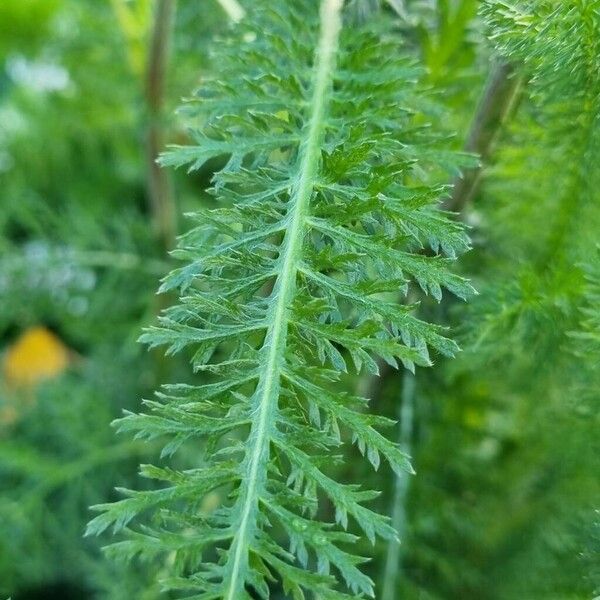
[324, 209]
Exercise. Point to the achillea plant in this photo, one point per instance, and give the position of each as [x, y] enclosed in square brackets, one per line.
[324, 209]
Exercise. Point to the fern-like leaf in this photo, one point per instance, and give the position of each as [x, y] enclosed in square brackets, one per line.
[558, 45]
[326, 209]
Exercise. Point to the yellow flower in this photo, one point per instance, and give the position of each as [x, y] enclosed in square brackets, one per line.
[35, 356]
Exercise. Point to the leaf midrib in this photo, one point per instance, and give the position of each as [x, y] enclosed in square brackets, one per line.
[268, 387]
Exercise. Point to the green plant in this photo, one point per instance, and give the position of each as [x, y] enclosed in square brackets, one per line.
[514, 416]
[328, 204]
[503, 436]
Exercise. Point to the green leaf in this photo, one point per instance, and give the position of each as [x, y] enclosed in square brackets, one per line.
[325, 210]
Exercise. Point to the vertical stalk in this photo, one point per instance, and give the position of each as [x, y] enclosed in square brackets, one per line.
[393, 563]
[496, 103]
[160, 191]
[498, 99]
[266, 397]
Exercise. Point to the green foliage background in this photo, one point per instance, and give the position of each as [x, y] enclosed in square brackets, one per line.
[505, 437]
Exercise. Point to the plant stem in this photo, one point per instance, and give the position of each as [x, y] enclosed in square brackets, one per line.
[266, 397]
[497, 101]
[499, 97]
[160, 190]
[393, 564]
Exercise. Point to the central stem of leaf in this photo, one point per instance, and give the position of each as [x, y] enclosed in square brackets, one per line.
[266, 397]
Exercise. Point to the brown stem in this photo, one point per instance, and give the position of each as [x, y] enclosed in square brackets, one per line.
[160, 191]
[496, 103]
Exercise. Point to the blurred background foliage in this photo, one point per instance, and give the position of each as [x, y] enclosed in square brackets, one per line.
[504, 439]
